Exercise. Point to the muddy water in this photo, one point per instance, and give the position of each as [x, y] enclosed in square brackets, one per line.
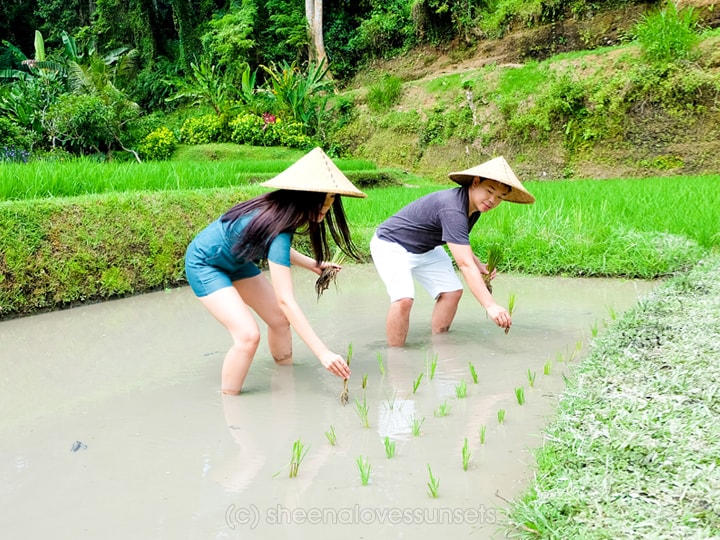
[112, 425]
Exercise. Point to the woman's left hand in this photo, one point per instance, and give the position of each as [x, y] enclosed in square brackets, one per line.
[319, 268]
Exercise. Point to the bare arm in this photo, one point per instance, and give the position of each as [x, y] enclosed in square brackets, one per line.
[470, 266]
[303, 261]
[282, 284]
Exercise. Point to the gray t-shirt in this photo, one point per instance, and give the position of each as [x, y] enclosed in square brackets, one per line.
[431, 221]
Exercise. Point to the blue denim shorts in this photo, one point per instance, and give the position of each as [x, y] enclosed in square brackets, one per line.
[211, 266]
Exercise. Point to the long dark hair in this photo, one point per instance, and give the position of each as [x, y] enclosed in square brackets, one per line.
[285, 210]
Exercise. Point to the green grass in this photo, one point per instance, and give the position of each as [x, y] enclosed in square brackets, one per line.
[632, 228]
[523, 81]
[40, 179]
[633, 449]
[131, 237]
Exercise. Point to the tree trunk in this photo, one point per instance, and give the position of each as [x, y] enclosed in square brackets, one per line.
[314, 15]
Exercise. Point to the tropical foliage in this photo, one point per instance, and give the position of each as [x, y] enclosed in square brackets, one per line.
[101, 78]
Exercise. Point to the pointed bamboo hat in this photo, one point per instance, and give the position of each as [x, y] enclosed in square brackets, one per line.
[315, 171]
[496, 169]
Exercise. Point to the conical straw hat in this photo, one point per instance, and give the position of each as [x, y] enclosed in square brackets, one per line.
[496, 169]
[315, 171]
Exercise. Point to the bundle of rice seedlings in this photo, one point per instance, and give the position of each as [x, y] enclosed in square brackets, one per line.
[344, 395]
[494, 257]
[329, 274]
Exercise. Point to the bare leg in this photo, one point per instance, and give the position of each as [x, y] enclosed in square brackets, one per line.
[445, 310]
[257, 292]
[398, 322]
[227, 306]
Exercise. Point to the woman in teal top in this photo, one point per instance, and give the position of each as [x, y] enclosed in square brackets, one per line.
[221, 268]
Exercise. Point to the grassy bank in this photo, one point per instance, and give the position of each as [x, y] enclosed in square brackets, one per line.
[633, 451]
[632, 228]
[58, 251]
[240, 166]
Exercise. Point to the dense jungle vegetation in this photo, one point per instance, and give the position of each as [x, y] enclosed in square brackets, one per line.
[583, 86]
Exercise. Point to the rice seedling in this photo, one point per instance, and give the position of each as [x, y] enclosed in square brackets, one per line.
[473, 373]
[331, 436]
[344, 395]
[328, 274]
[416, 383]
[547, 367]
[494, 257]
[364, 381]
[461, 389]
[390, 402]
[594, 330]
[482, 431]
[578, 348]
[611, 311]
[362, 410]
[432, 365]
[364, 468]
[433, 484]
[416, 425]
[442, 410]
[299, 451]
[511, 307]
[380, 363]
[389, 447]
[466, 455]
[531, 378]
[520, 395]
[501, 416]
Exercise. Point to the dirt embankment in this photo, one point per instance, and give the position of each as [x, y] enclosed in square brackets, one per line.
[655, 142]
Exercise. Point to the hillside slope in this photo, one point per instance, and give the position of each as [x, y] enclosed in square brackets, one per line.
[653, 139]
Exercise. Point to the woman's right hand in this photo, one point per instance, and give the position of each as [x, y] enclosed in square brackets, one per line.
[335, 364]
[499, 315]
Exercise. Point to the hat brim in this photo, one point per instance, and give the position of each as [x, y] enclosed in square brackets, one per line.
[499, 170]
[316, 172]
[518, 194]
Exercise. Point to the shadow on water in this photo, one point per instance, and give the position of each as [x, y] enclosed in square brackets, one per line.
[112, 424]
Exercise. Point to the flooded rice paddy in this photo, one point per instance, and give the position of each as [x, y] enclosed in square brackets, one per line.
[112, 424]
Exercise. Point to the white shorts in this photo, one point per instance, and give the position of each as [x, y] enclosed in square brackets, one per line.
[397, 267]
